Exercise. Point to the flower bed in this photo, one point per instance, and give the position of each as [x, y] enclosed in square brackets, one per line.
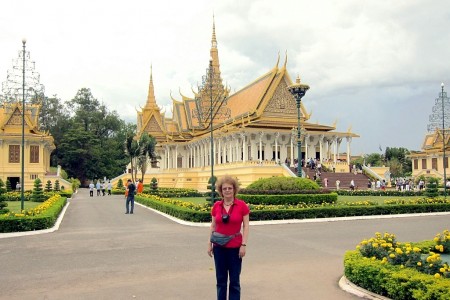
[40, 217]
[400, 270]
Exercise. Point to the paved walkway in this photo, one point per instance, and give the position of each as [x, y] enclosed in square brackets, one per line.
[98, 252]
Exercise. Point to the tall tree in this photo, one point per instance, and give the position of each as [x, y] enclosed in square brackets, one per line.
[91, 144]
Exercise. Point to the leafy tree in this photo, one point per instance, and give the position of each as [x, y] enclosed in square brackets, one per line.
[48, 186]
[91, 145]
[133, 151]
[398, 162]
[147, 143]
[75, 184]
[37, 194]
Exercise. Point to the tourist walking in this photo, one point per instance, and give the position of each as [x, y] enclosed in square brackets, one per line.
[91, 189]
[98, 187]
[129, 204]
[109, 187]
[226, 242]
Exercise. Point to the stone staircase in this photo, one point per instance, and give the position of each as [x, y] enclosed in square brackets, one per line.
[360, 179]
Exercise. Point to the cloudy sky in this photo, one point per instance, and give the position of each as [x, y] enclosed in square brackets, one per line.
[375, 66]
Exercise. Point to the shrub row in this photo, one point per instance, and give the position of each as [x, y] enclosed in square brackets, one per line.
[174, 210]
[393, 281]
[30, 223]
[282, 192]
[380, 193]
[288, 199]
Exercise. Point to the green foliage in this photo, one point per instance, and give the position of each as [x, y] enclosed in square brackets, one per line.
[431, 189]
[154, 184]
[284, 183]
[120, 184]
[75, 182]
[3, 203]
[399, 163]
[56, 187]
[212, 197]
[89, 139]
[8, 186]
[38, 194]
[48, 186]
[289, 199]
[393, 281]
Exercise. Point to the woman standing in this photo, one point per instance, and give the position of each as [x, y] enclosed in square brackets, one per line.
[228, 217]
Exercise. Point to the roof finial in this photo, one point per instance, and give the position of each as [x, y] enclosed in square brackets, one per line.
[214, 40]
[285, 60]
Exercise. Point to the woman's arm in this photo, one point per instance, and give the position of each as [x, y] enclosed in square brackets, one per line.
[212, 228]
[245, 231]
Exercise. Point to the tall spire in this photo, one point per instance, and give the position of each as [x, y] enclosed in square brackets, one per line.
[214, 52]
[151, 100]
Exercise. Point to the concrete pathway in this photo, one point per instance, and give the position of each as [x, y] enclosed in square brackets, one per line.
[99, 252]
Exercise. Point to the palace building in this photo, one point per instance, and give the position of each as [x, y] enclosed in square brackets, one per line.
[254, 130]
[38, 146]
[436, 145]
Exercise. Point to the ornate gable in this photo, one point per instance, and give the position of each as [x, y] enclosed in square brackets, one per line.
[153, 126]
[16, 118]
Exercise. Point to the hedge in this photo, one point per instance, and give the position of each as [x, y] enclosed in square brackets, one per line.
[30, 223]
[174, 210]
[292, 199]
[393, 281]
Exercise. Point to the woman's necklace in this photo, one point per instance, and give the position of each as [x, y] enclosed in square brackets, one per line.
[226, 204]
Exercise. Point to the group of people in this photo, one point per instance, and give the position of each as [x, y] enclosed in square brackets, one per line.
[100, 187]
[376, 185]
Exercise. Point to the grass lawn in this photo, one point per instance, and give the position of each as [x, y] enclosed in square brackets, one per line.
[14, 206]
[379, 199]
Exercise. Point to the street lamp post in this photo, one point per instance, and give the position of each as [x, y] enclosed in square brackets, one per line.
[213, 181]
[298, 90]
[22, 180]
[443, 139]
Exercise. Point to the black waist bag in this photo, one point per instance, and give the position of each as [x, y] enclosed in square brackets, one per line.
[222, 239]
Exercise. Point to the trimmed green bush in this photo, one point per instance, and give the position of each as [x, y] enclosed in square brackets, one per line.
[284, 183]
[289, 199]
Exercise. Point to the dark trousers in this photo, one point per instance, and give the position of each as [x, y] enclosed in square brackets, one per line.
[91, 193]
[227, 263]
[130, 199]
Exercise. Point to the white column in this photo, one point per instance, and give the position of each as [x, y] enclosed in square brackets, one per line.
[230, 150]
[321, 147]
[335, 149]
[244, 148]
[292, 149]
[168, 157]
[261, 134]
[176, 157]
[277, 134]
[306, 148]
[349, 140]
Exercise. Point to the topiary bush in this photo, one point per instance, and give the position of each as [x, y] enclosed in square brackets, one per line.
[48, 186]
[38, 193]
[284, 183]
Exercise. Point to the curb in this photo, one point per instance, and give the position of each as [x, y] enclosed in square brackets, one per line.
[349, 287]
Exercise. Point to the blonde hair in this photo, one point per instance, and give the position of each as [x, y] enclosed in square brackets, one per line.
[228, 180]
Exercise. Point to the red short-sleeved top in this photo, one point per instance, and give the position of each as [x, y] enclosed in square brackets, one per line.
[237, 211]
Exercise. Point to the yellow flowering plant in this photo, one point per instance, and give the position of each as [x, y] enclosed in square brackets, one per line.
[443, 241]
[384, 247]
